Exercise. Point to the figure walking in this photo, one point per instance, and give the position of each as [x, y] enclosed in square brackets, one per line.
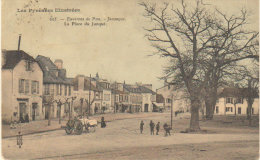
[141, 127]
[152, 127]
[103, 123]
[167, 129]
[157, 128]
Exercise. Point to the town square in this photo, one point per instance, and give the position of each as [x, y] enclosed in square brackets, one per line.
[130, 80]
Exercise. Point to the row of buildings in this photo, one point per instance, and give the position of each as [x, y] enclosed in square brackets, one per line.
[39, 88]
[231, 100]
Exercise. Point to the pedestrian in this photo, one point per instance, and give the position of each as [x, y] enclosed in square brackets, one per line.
[166, 129]
[141, 127]
[152, 127]
[103, 123]
[157, 128]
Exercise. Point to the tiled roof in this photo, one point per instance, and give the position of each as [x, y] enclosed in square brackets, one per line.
[146, 90]
[51, 74]
[13, 57]
[236, 92]
[138, 89]
[159, 98]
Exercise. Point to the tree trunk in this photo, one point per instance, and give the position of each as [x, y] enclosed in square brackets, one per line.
[59, 114]
[69, 104]
[194, 121]
[71, 110]
[49, 116]
[208, 109]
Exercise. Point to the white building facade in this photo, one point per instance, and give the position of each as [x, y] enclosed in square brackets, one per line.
[22, 80]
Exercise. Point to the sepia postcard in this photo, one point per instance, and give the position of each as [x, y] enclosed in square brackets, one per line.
[130, 80]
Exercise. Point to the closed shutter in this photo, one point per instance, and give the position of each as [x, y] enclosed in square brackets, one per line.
[26, 86]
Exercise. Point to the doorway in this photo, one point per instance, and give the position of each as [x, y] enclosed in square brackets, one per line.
[22, 111]
[146, 107]
[34, 110]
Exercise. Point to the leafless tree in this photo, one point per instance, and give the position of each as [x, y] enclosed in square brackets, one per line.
[200, 45]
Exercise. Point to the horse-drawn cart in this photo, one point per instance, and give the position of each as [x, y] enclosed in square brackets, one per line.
[77, 125]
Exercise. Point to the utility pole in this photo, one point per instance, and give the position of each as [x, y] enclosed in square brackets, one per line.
[171, 109]
[115, 98]
[89, 96]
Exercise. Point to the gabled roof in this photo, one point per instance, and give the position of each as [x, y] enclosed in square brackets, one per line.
[50, 71]
[159, 98]
[236, 92]
[146, 90]
[13, 57]
[132, 89]
[137, 89]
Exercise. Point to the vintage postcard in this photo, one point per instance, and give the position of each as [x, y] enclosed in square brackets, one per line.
[130, 80]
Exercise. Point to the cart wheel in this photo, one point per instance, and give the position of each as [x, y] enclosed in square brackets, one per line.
[68, 130]
[69, 127]
[78, 127]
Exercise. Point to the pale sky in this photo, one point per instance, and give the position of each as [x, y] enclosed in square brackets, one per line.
[119, 51]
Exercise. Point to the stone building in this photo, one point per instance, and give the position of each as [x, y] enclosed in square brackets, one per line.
[57, 88]
[22, 85]
[233, 101]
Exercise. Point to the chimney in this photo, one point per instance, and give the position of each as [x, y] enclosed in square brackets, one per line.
[19, 42]
[58, 63]
[81, 80]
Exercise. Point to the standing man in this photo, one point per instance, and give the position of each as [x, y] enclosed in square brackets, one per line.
[152, 127]
[141, 127]
[157, 128]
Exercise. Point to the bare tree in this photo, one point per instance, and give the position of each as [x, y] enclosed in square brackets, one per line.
[182, 35]
[234, 42]
[200, 45]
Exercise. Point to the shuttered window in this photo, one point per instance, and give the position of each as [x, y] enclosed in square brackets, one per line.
[27, 86]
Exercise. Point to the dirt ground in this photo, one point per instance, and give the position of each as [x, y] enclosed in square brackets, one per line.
[121, 140]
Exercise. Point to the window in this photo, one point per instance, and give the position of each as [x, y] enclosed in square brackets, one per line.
[217, 109]
[65, 90]
[107, 97]
[27, 86]
[46, 89]
[21, 85]
[169, 87]
[116, 98]
[35, 87]
[126, 98]
[97, 95]
[252, 110]
[37, 83]
[69, 90]
[230, 100]
[229, 109]
[120, 98]
[239, 110]
[61, 89]
[239, 100]
[57, 89]
[168, 100]
[28, 66]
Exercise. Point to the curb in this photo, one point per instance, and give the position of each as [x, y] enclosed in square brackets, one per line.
[36, 132]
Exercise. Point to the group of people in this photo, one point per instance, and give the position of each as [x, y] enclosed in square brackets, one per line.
[166, 128]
